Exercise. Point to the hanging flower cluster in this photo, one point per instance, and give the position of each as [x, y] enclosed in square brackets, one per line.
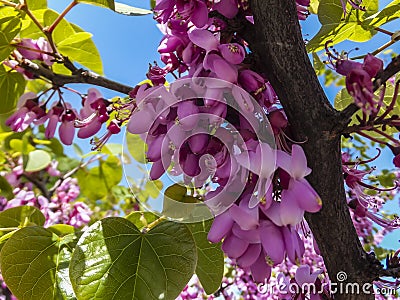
[207, 126]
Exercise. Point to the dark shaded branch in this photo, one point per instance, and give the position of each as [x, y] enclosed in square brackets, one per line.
[39, 184]
[80, 76]
[390, 272]
[278, 43]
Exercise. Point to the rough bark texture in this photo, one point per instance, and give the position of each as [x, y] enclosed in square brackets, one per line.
[279, 44]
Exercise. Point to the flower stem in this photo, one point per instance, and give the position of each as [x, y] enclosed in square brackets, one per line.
[152, 224]
[32, 49]
[384, 31]
[371, 138]
[61, 16]
[9, 3]
[31, 16]
[9, 228]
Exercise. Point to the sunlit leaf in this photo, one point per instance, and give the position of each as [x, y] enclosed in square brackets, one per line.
[337, 28]
[37, 160]
[34, 264]
[136, 147]
[12, 86]
[10, 25]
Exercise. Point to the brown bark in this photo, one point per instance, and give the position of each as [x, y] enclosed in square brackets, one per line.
[279, 46]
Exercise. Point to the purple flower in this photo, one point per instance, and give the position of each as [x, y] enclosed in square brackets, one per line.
[359, 80]
[262, 163]
[298, 196]
[36, 50]
[228, 8]
[28, 110]
[67, 128]
[156, 75]
[92, 115]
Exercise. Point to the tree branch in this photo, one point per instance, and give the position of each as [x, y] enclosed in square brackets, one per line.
[283, 58]
[79, 76]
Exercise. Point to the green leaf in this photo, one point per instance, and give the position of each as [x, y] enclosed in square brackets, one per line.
[141, 218]
[12, 86]
[78, 151]
[21, 216]
[114, 260]
[34, 264]
[104, 3]
[10, 25]
[6, 189]
[111, 171]
[335, 28]
[210, 262]
[98, 182]
[386, 15]
[153, 188]
[77, 46]
[314, 6]
[130, 10]
[37, 160]
[36, 4]
[136, 147]
[343, 99]
[318, 65]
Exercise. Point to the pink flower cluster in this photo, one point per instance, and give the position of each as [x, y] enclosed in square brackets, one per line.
[239, 284]
[359, 78]
[95, 112]
[263, 191]
[363, 204]
[61, 208]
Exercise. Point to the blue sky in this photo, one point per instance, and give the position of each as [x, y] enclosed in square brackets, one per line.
[128, 44]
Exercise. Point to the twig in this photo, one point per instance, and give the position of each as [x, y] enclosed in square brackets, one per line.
[25, 8]
[61, 16]
[390, 272]
[80, 76]
[39, 184]
[9, 3]
[72, 172]
[153, 224]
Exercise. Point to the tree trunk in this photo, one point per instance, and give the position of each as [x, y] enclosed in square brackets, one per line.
[279, 48]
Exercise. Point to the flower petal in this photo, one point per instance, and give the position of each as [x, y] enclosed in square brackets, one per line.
[220, 227]
[260, 271]
[233, 246]
[272, 241]
[204, 39]
[250, 256]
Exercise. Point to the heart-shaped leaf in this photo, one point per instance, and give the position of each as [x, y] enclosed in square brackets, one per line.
[34, 264]
[114, 260]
